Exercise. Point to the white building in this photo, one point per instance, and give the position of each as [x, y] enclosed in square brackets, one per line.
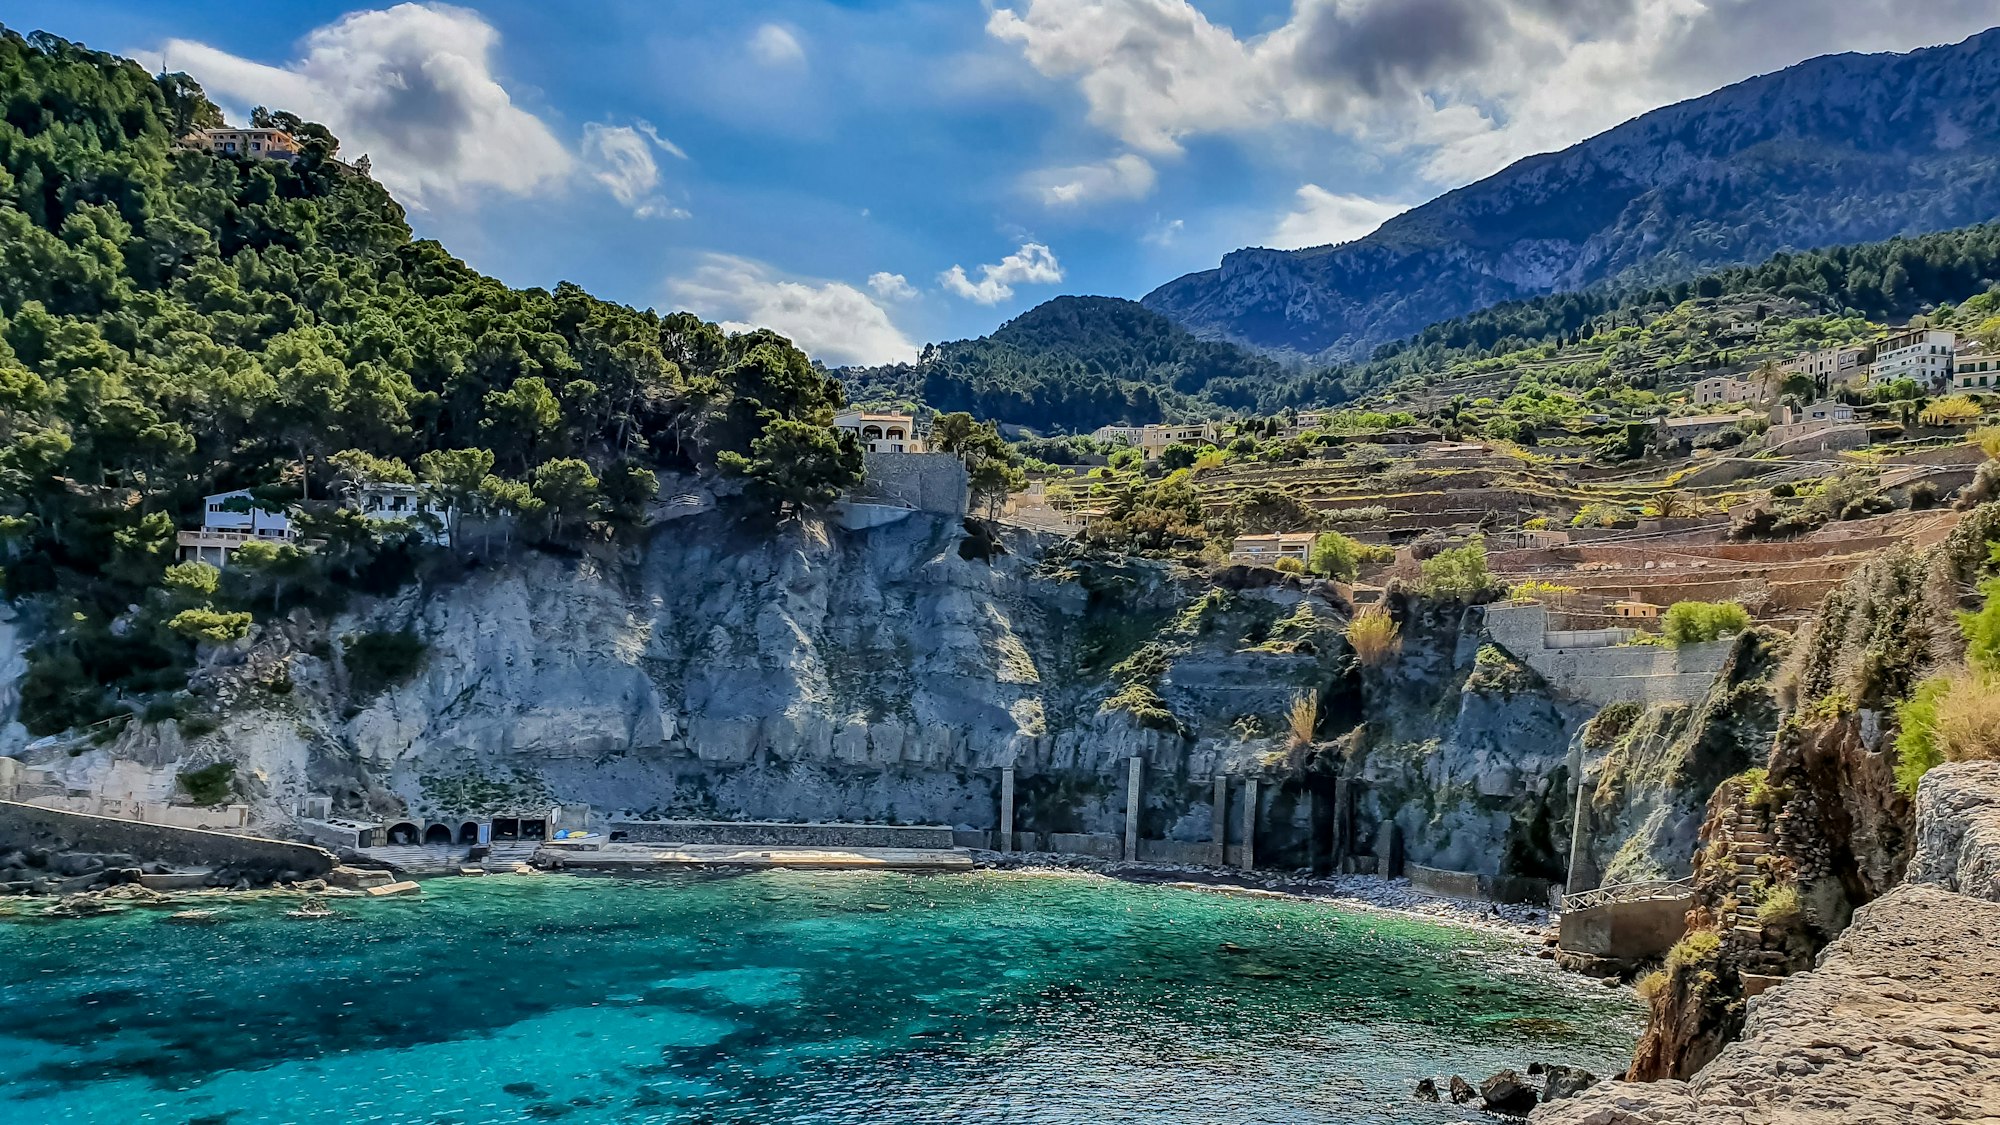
[1922, 354]
[882, 431]
[1831, 368]
[1130, 435]
[1976, 371]
[434, 519]
[225, 528]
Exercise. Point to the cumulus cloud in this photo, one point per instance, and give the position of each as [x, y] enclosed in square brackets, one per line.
[775, 45]
[891, 286]
[1320, 217]
[829, 320]
[621, 158]
[1032, 264]
[1125, 176]
[411, 86]
[1472, 83]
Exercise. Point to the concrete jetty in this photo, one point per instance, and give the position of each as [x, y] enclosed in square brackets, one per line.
[668, 857]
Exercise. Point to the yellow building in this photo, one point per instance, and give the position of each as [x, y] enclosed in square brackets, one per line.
[262, 144]
[882, 431]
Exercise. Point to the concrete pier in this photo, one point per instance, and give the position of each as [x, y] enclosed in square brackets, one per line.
[1133, 777]
[1219, 820]
[1249, 822]
[1007, 808]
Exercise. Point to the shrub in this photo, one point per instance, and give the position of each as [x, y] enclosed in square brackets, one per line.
[1694, 622]
[1610, 724]
[1459, 572]
[1783, 491]
[1539, 523]
[1598, 515]
[1289, 565]
[1916, 737]
[378, 661]
[1336, 556]
[1651, 985]
[1535, 588]
[197, 579]
[1781, 907]
[210, 626]
[1374, 636]
[1968, 719]
[209, 785]
[1696, 950]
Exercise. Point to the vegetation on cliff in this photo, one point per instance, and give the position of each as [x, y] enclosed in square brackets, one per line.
[175, 323]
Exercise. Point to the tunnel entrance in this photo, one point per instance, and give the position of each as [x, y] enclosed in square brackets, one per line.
[404, 833]
[437, 834]
[468, 833]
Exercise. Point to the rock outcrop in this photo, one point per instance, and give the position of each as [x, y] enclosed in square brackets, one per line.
[1900, 1020]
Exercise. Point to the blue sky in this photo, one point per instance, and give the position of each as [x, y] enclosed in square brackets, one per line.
[867, 175]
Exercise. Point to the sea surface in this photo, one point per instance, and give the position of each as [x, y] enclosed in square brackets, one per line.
[775, 997]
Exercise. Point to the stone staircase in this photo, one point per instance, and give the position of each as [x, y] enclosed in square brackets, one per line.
[1749, 841]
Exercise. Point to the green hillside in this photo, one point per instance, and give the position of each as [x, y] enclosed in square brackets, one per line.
[174, 323]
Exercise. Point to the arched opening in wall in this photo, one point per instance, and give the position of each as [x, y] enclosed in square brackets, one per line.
[437, 834]
[404, 833]
[468, 833]
[506, 828]
[896, 433]
[871, 433]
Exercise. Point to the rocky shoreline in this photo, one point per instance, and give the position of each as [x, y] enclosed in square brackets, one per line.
[1367, 892]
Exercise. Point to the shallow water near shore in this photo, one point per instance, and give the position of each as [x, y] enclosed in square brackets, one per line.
[777, 997]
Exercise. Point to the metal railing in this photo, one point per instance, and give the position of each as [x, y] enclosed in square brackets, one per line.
[1629, 892]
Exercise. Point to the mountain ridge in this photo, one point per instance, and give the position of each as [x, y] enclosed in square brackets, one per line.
[1837, 149]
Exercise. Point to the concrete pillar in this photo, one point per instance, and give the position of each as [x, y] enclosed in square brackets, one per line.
[1137, 770]
[1007, 808]
[1579, 833]
[1219, 820]
[1249, 822]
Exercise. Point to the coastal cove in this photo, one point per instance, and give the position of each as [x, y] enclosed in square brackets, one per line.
[780, 996]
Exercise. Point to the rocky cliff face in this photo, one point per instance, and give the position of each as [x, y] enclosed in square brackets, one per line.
[1899, 1021]
[884, 676]
[1846, 148]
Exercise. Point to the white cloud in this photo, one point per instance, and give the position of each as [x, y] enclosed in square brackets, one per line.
[891, 286]
[1471, 84]
[1032, 264]
[411, 86]
[1320, 217]
[1125, 176]
[829, 320]
[775, 45]
[621, 158]
[1164, 234]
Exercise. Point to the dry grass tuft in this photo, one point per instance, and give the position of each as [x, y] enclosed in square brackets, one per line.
[1303, 718]
[1374, 636]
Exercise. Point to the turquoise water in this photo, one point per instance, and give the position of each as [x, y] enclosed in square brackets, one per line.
[775, 997]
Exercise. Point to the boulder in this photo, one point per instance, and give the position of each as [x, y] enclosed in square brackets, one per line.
[1427, 1090]
[1461, 1091]
[1565, 1082]
[1507, 1093]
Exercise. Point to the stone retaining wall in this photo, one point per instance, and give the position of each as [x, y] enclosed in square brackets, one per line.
[1471, 886]
[1601, 676]
[23, 826]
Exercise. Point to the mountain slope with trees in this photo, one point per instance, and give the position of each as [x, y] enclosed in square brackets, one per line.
[175, 323]
[1076, 363]
[1841, 149]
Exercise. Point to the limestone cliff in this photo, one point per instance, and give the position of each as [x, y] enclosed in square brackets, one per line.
[879, 675]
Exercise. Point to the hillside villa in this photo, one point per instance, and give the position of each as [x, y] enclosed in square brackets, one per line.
[882, 431]
[229, 520]
[261, 144]
[1267, 549]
